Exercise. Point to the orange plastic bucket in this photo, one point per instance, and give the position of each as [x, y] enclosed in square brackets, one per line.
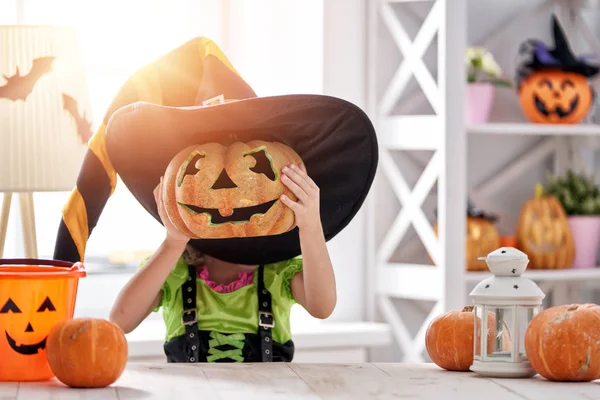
[34, 295]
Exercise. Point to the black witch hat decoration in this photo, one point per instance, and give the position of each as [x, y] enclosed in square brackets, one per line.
[156, 114]
[539, 56]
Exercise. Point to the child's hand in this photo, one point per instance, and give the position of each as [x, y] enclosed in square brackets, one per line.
[172, 232]
[306, 209]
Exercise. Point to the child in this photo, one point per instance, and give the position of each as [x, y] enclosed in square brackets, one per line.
[215, 307]
[228, 296]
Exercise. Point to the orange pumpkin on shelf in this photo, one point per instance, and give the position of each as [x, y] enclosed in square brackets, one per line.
[563, 343]
[553, 85]
[554, 96]
[87, 352]
[543, 233]
[482, 237]
[211, 191]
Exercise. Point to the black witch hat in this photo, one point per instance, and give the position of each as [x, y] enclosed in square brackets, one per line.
[539, 56]
[155, 116]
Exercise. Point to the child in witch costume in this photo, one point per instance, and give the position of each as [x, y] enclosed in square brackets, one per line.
[225, 298]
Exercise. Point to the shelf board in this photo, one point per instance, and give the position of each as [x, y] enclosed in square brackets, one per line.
[498, 128]
[545, 275]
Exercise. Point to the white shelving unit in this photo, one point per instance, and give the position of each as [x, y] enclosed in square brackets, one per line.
[446, 283]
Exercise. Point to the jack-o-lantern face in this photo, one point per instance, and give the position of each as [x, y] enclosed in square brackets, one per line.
[27, 342]
[543, 233]
[212, 191]
[555, 97]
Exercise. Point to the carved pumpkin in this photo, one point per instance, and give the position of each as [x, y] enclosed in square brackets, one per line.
[543, 233]
[563, 342]
[87, 352]
[482, 237]
[449, 339]
[28, 311]
[553, 96]
[211, 191]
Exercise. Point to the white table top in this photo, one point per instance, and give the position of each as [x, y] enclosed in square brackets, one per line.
[305, 381]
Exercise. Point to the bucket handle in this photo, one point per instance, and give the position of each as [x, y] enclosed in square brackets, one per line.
[73, 267]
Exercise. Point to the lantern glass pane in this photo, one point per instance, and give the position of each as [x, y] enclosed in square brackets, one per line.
[525, 315]
[477, 312]
[501, 327]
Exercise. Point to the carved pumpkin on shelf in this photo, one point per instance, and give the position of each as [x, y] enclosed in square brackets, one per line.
[211, 191]
[553, 83]
[554, 96]
[543, 233]
[482, 237]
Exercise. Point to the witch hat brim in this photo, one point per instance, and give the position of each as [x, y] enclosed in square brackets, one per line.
[334, 138]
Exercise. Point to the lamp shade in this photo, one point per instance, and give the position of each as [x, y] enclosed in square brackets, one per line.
[45, 112]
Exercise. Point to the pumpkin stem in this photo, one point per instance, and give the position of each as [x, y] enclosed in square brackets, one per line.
[572, 307]
[467, 309]
[539, 191]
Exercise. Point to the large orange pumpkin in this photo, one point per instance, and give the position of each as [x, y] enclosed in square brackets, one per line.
[87, 352]
[553, 96]
[449, 339]
[543, 233]
[211, 191]
[563, 343]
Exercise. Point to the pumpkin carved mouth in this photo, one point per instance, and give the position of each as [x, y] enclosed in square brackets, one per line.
[25, 349]
[541, 107]
[239, 215]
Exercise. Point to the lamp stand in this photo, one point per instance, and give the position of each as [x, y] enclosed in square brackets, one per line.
[27, 223]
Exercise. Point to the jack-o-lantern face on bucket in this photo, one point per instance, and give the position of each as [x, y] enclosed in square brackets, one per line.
[553, 96]
[212, 191]
[29, 308]
[27, 342]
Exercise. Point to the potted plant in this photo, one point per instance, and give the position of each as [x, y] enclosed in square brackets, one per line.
[483, 75]
[580, 197]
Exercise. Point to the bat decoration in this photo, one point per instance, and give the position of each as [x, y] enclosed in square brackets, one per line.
[18, 86]
[84, 127]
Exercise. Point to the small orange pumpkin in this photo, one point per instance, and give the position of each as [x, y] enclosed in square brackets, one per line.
[544, 234]
[553, 96]
[449, 339]
[87, 352]
[563, 343]
[211, 191]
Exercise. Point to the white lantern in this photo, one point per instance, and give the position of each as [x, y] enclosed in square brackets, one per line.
[510, 302]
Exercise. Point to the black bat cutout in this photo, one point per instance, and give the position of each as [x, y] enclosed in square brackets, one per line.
[84, 127]
[19, 87]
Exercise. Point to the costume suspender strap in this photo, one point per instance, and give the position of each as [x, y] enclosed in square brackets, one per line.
[189, 318]
[266, 322]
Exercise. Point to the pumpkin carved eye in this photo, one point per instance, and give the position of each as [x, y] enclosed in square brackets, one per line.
[545, 82]
[10, 306]
[189, 166]
[565, 83]
[263, 164]
[46, 305]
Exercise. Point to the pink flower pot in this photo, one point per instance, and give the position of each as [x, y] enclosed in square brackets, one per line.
[480, 97]
[586, 236]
